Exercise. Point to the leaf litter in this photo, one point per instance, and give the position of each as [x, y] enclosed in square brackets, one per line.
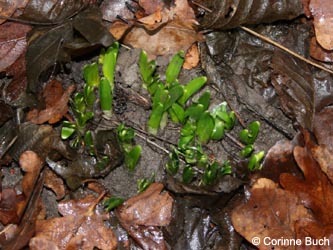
[303, 97]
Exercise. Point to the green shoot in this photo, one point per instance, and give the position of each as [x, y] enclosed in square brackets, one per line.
[112, 203]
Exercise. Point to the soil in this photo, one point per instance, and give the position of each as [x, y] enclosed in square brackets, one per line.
[239, 73]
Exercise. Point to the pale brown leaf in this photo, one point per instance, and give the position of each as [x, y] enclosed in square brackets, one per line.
[80, 228]
[322, 13]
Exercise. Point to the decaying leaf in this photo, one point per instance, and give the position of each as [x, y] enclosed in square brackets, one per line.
[143, 214]
[322, 13]
[18, 236]
[8, 8]
[85, 167]
[230, 13]
[270, 212]
[319, 53]
[55, 183]
[81, 227]
[59, 41]
[165, 31]
[43, 140]
[12, 42]
[302, 94]
[303, 208]
[192, 57]
[10, 204]
[54, 111]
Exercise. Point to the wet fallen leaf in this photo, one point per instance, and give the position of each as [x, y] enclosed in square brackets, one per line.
[55, 183]
[85, 167]
[52, 113]
[302, 94]
[8, 8]
[12, 42]
[10, 203]
[230, 14]
[315, 190]
[143, 214]
[165, 31]
[16, 237]
[42, 139]
[270, 212]
[323, 22]
[81, 227]
[319, 53]
[59, 40]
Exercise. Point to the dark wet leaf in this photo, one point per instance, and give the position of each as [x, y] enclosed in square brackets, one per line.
[232, 13]
[89, 24]
[43, 140]
[51, 11]
[192, 227]
[293, 82]
[50, 45]
[45, 49]
[109, 156]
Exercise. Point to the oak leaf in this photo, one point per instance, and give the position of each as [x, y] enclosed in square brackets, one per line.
[81, 227]
[270, 212]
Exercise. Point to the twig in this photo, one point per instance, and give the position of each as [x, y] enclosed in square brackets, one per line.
[266, 39]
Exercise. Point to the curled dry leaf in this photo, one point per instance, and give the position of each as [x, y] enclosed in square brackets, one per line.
[81, 227]
[143, 214]
[56, 111]
[322, 13]
[192, 57]
[55, 183]
[270, 212]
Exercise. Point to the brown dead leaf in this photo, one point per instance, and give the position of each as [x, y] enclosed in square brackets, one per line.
[10, 203]
[150, 208]
[270, 212]
[319, 53]
[80, 228]
[315, 191]
[54, 113]
[322, 13]
[164, 31]
[31, 164]
[151, 6]
[192, 57]
[8, 8]
[13, 42]
[55, 183]
[143, 214]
